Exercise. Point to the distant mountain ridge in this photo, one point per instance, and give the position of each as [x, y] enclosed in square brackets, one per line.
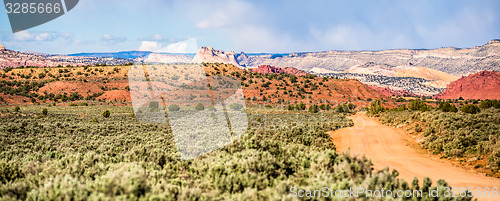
[14, 59]
[127, 54]
[122, 54]
[454, 61]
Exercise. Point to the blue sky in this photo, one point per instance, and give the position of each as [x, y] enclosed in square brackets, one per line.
[260, 26]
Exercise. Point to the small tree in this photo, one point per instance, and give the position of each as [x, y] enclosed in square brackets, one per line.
[293, 78]
[471, 109]
[235, 106]
[300, 106]
[447, 107]
[485, 104]
[313, 108]
[45, 111]
[153, 105]
[418, 105]
[375, 107]
[199, 107]
[174, 108]
[106, 114]
[17, 109]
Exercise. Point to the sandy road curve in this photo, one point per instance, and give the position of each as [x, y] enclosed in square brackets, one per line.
[386, 147]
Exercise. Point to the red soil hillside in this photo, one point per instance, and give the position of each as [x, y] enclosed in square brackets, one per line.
[110, 84]
[264, 69]
[482, 85]
[391, 92]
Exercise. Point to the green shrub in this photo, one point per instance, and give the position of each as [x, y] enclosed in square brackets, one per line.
[235, 106]
[153, 105]
[9, 171]
[418, 128]
[45, 111]
[199, 107]
[419, 105]
[173, 108]
[301, 106]
[314, 108]
[17, 109]
[471, 109]
[447, 107]
[106, 114]
[375, 107]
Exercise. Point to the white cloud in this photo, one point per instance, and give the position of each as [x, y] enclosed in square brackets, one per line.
[158, 37]
[43, 37]
[150, 46]
[466, 25]
[26, 36]
[23, 36]
[357, 37]
[224, 14]
[187, 46]
[112, 40]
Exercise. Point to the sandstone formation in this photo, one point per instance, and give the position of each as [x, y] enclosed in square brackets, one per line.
[453, 61]
[482, 85]
[243, 58]
[210, 55]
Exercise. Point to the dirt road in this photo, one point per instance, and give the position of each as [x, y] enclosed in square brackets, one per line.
[386, 147]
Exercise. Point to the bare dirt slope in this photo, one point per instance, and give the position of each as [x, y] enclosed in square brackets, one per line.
[386, 147]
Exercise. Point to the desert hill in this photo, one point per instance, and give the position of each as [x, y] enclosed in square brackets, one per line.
[482, 85]
[109, 84]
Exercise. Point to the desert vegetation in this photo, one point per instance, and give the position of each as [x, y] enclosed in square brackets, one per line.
[470, 133]
[76, 153]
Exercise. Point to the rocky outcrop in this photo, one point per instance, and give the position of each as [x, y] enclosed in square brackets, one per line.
[242, 58]
[265, 69]
[210, 55]
[482, 85]
[2, 48]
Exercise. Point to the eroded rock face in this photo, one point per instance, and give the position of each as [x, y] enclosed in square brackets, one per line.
[210, 55]
[264, 69]
[454, 61]
[482, 85]
[2, 48]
